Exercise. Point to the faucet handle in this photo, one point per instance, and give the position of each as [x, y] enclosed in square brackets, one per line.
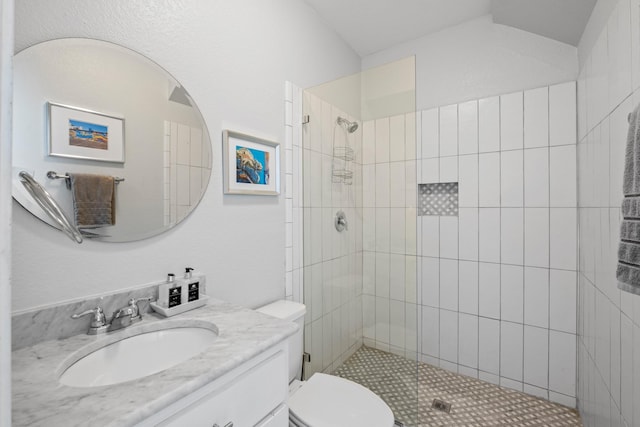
[98, 319]
[133, 303]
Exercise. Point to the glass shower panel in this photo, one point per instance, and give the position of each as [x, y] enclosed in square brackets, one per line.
[360, 284]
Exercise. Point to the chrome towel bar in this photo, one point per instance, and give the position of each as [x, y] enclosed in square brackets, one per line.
[56, 175]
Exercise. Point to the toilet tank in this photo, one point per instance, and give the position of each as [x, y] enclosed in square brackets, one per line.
[293, 312]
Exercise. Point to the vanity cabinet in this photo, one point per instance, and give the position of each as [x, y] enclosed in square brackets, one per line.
[253, 394]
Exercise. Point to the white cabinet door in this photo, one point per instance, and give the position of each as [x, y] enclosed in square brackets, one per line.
[279, 418]
[243, 401]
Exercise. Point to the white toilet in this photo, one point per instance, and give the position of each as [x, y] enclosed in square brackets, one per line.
[325, 400]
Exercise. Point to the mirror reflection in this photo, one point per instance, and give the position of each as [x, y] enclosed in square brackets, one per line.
[85, 106]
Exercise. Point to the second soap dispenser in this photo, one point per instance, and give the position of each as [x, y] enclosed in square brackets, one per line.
[191, 285]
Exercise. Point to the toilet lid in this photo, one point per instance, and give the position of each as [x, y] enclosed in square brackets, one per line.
[330, 401]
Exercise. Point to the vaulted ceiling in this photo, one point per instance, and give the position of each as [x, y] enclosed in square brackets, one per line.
[369, 26]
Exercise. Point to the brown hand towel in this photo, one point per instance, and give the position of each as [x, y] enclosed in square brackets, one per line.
[94, 203]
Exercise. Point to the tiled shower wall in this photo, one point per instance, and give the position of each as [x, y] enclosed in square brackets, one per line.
[498, 281]
[389, 234]
[186, 170]
[609, 319]
[332, 260]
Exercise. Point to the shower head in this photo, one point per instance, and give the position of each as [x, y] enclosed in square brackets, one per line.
[350, 127]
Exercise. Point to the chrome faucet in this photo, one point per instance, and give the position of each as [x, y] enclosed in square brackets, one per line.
[121, 318]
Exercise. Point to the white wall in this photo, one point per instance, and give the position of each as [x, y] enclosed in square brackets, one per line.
[6, 52]
[609, 319]
[233, 58]
[478, 59]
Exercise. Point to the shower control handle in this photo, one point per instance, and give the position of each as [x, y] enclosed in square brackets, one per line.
[341, 221]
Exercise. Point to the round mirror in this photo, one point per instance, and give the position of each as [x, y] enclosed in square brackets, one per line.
[85, 106]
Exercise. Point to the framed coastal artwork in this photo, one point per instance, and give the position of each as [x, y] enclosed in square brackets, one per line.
[251, 165]
[84, 134]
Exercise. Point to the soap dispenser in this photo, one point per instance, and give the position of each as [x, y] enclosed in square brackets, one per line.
[170, 292]
[191, 284]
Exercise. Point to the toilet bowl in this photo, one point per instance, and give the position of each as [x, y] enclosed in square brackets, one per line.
[325, 400]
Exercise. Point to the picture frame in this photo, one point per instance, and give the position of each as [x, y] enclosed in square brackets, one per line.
[79, 133]
[251, 165]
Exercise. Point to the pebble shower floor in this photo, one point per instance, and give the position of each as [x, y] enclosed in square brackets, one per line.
[474, 403]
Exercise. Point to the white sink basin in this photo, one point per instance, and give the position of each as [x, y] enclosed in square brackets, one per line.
[138, 356]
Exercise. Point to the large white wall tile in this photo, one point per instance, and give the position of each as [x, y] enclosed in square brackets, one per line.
[536, 237]
[468, 127]
[368, 142]
[619, 52]
[635, 44]
[489, 124]
[430, 236]
[536, 297]
[382, 320]
[468, 287]
[449, 336]
[511, 293]
[382, 275]
[489, 236]
[536, 177]
[449, 237]
[382, 140]
[397, 185]
[468, 233]
[511, 350]
[562, 363]
[397, 228]
[369, 228]
[511, 121]
[562, 114]
[536, 356]
[382, 185]
[449, 284]
[368, 185]
[468, 340]
[449, 130]
[489, 180]
[563, 300]
[383, 218]
[430, 133]
[489, 345]
[512, 235]
[489, 290]
[431, 331]
[430, 285]
[397, 323]
[627, 401]
[562, 176]
[396, 138]
[411, 143]
[536, 117]
[430, 171]
[468, 180]
[397, 270]
[511, 178]
[449, 169]
[563, 238]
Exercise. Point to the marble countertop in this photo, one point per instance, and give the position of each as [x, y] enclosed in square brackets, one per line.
[39, 399]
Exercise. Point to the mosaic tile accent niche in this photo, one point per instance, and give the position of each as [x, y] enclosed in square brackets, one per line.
[439, 199]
